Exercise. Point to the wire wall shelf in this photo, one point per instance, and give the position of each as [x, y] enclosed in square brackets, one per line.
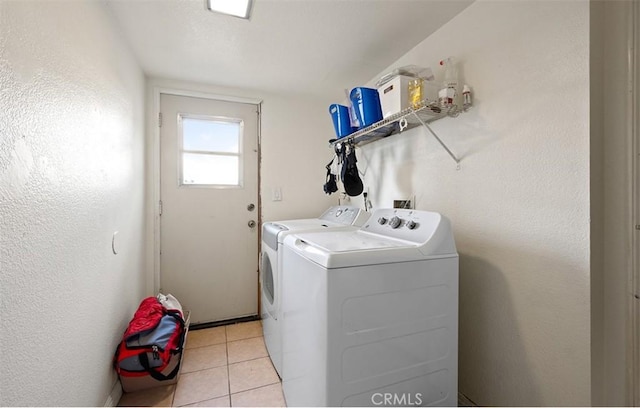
[401, 121]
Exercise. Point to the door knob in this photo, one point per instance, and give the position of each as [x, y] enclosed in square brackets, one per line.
[251, 224]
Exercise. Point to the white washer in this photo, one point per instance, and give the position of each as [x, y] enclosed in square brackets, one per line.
[273, 234]
[370, 317]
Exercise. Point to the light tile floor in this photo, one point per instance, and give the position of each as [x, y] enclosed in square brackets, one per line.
[226, 366]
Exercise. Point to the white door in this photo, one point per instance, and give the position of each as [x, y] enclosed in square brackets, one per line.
[209, 206]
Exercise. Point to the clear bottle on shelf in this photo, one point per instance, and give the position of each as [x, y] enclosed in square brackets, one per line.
[466, 97]
[415, 93]
[448, 94]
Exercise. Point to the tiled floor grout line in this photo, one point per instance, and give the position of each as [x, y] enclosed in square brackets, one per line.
[254, 388]
[206, 345]
[249, 359]
[197, 402]
[228, 371]
[204, 369]
[222, 342]
[245, 338]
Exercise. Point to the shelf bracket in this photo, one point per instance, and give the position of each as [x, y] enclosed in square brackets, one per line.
[423, 123]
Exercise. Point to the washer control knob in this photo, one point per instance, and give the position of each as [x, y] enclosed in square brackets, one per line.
[411, 224]
[395, 222]
[382, 220]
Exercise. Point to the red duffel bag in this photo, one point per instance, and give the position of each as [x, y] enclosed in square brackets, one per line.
[151, 344]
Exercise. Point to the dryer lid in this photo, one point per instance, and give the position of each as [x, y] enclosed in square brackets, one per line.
[336, 215]
[270, 231]
[345, 215]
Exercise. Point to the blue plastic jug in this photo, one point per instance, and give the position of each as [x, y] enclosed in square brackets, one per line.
[366, 103]
[341, 122]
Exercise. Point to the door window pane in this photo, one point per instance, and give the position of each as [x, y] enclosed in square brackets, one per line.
[209, 169]
[211, 153]
[210, 135]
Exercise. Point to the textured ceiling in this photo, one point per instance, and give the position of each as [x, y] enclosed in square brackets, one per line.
[318, 47]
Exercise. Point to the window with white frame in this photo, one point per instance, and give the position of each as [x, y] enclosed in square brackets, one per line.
[211, 151]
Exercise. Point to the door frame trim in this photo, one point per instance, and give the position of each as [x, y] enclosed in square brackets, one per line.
[155, 160]
[633, 104]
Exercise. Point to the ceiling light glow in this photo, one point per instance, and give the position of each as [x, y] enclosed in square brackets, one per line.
[236, 8]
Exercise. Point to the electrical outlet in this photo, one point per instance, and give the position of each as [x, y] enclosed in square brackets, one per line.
[406, 204]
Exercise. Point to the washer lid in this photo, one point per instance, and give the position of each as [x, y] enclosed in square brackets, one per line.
[347, 241]
[390, 235]
[353, 248]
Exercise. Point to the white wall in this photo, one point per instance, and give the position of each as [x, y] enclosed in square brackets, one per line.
[519, 204]
[295, 151]
[71, 173]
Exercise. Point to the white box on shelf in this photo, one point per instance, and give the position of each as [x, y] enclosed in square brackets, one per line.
[394, 95]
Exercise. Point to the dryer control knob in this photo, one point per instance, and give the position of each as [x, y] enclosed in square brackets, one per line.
[382, 220]
[411, 224]
[395, 222]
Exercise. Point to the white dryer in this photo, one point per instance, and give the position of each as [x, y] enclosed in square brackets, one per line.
[273, 234]
[370, 317]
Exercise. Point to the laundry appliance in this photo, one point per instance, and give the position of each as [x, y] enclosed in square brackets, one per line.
[273, 234]
[370, 316]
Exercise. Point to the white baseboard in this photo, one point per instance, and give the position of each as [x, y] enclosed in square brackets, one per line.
[114, 395]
